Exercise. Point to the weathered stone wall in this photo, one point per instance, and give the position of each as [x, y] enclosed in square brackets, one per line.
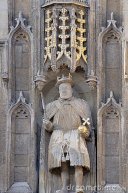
[4, 19]
[22, 56]
[3, 121]
[111, 65]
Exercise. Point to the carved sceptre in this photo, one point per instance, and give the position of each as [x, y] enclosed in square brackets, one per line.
[40, 81]
[43, 105]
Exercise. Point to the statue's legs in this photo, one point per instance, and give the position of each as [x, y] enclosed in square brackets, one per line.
[79, 179]
[65, 175]
[66, 178]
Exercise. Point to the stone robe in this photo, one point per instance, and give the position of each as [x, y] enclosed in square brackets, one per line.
[66, 143]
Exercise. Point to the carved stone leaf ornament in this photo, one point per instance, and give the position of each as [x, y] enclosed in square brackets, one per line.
[111, 112]
[48, 35]
[63, 35]
[80, 38]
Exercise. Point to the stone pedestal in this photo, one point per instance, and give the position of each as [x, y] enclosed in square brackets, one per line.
[63, 191]
[20, 187]
[113, 188]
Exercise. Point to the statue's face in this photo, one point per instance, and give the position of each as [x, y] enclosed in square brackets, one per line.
[65, 90]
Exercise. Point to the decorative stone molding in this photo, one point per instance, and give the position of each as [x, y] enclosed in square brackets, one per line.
[69, 25]
[77, 2]
[63, 18]
[110, 101]
[111, 26]
[20, 32]
[5, 76]
[92, 80]
[20, 23]
[20, 100]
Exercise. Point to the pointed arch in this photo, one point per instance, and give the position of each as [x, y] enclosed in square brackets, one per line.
[111, 26]
[20, 23]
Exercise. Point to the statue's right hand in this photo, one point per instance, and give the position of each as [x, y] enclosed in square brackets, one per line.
[47, 124]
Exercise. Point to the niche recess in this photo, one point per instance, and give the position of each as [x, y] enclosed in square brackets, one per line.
[20, 58]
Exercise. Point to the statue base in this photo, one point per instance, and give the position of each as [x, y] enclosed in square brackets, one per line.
[64, 191]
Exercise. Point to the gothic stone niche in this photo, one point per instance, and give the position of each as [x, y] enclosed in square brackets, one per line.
[20, 145]
[112, 64]
[111, 129]
[21, 62]
[21, 148]
[110, 143]
[65, 37]
[110, 60]
[20, 58]
[51, 181]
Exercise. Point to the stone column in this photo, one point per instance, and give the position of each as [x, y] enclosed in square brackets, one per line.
[3, 17]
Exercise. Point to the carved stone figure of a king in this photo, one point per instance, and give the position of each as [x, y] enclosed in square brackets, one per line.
[69, 121]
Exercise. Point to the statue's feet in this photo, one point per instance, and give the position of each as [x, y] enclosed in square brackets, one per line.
[62, 191]
[79, 190]
[66, 191]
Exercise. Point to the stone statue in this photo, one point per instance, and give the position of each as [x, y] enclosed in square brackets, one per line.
[69, 120]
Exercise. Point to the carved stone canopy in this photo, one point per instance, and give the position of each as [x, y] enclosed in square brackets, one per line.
[65, 36]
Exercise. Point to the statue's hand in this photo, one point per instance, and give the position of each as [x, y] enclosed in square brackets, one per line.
[48, 125]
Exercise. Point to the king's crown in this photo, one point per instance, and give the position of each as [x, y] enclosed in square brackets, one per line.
[64, 79]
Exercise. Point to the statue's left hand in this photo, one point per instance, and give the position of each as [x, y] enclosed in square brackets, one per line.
[48, 125]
